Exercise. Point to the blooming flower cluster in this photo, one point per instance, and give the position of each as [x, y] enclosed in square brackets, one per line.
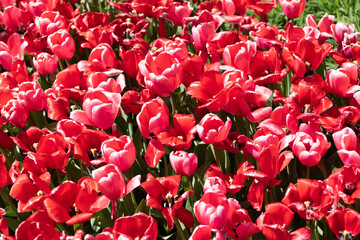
[177, 120]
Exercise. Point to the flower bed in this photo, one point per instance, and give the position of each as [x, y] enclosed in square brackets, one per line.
[144, 119]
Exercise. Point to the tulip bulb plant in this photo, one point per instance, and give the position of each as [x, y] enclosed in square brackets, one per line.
[207, 119]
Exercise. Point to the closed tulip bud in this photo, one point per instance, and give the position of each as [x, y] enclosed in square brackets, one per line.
[111, 181]
[212, 209]
[183, 163]
[119, 151]
[62, 44]
[104, 54]
[32, 96]
[45, 63]
[293, 8]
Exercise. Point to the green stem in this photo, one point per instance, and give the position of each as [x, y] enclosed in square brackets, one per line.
[179, 229]
[165, 165]
[58, 176]
[6, 199]
[217, 156]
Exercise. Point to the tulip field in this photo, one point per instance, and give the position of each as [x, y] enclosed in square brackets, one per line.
[179, 119]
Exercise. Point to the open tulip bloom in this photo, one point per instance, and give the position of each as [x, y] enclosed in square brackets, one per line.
[211, 119]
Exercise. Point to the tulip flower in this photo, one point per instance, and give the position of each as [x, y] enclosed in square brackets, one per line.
[310, 144]
[212, 129]
[119, 151]
[340, 29]
[62, 44]
[205, 232]
[51, 151]
[15, 113]
[112, 183]
[345, 223]
[32, 96]
[45, 63]
[183, 163]
[181, 135]
[239, 55]
[215, 185]
[163, 73]
[153, 118]
[310, 198]
[212, 210]
[139, 225]
[177, 12]
[346, 142]
[161, 195]
[100, 109]
[50, 22]
[293, 8]
[346, 181]
[275, 223]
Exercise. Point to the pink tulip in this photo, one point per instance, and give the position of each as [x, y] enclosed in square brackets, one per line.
[153, 118]
[32, 96]
[340, 29]
[45, 63]
[177, 12]
[100, 109]
[15, 113]
[104, 55]
[293, 8]
[163, 73]
[215, 185]
[202, 34]
[310, 144]
[50, 22]
[62, 44]
[112, 183]
[183, 163]
[346, 142]
[212, 129]
[119, 151]
[212, 209]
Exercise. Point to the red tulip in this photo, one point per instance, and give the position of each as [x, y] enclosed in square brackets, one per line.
[112, 183]
[32, 96]
[239, 55]
[161, 195]
[310, 144]
[212, 210]
[310, 199]
[346, 181]
[15, 113]
[212, 129]
[100, 109]
[177, 12]
[153, 118]
[206, 232]
[119, 151]
[293, 8]
[51, 151]
[181, 135]
[346, 142]
[139, 225]
[62, 44]
[163, 73]
[183, 163]
[50, 22]
[345, 223]
[45, 63]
